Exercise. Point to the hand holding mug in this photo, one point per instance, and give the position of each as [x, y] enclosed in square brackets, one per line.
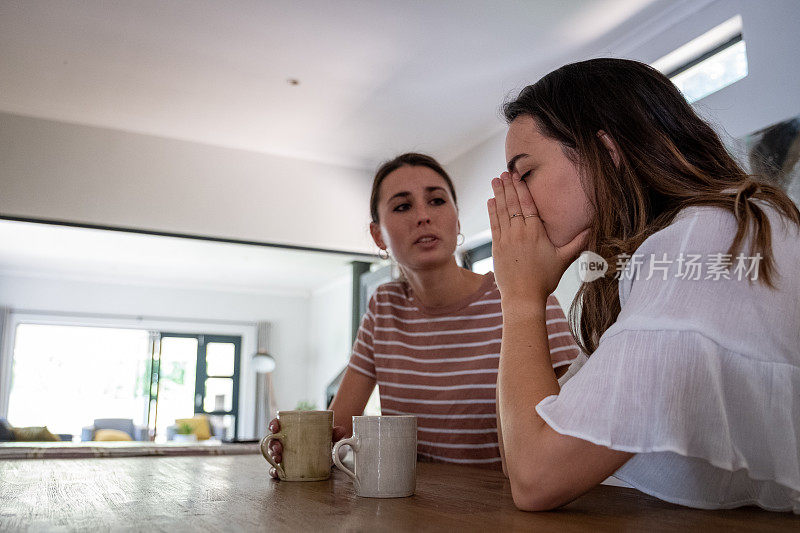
[275, 448]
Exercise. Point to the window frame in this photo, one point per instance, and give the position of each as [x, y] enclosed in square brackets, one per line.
[475, 254]
[702, 57]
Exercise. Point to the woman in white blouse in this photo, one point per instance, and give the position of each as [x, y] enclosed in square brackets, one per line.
[691, 391]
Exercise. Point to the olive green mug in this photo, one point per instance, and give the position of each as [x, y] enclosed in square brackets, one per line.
[306, 440]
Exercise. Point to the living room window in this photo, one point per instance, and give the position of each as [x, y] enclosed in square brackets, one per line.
[66, 376]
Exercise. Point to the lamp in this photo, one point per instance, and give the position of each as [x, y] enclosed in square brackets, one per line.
[263, 364]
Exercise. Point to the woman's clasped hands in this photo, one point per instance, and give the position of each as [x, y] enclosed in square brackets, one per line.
[527, 265]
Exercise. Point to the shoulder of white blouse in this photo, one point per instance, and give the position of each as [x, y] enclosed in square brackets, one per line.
[697, 225]
[707, 228]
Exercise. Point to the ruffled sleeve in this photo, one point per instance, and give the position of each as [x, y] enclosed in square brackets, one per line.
[677, 391]
[682, 375]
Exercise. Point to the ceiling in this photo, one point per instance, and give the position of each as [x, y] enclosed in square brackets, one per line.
[103, 256]
[376, 77]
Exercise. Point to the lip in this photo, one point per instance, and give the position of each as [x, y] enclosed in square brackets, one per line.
[434, 239]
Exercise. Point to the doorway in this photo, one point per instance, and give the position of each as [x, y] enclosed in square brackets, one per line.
[195, 373]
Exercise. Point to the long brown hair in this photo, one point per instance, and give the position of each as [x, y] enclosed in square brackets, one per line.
[669, 159]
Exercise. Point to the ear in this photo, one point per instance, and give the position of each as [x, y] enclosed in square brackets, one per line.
[375, 231]
[610, 145]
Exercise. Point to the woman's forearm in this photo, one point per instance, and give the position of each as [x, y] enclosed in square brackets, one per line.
[350, 399]
[500, 436]
[525, 377]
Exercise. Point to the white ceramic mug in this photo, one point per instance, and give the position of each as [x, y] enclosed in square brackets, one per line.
[385, 453]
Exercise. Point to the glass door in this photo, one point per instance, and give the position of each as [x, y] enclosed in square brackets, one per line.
[217, 393]
[172, 390]
[195, 374]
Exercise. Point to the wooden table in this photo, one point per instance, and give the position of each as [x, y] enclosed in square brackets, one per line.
[233, 493]
[95, 449]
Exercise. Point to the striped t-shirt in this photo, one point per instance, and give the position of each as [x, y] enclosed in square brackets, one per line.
[441, 365]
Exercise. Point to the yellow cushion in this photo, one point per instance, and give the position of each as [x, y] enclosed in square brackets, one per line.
[111, 434]
[30, 434]
[199, 424]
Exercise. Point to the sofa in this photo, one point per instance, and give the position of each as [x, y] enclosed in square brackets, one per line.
[35, 434]
[125, 425]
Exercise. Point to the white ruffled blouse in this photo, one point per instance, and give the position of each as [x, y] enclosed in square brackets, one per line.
[700, 378]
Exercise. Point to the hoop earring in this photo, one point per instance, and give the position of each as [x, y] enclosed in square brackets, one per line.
[462, 239]
[385, 251]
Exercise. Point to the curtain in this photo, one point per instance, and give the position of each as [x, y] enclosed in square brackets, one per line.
[6, 355]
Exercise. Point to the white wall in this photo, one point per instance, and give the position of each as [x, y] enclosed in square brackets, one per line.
[472, 174]
[770, 93]
[288, 315]
[330, 330]
[62, 171]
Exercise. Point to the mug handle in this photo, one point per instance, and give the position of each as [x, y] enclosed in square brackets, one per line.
[265, 452]
[353, 443]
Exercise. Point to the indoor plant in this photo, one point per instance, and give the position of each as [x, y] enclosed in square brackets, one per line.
[183, 433]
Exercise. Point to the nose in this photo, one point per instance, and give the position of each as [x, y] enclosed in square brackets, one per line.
[423, 217]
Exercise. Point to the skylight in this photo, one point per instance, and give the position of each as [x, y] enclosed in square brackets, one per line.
[708, 63]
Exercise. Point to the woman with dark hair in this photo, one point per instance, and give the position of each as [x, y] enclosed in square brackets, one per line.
[431, 340]
[692, 386]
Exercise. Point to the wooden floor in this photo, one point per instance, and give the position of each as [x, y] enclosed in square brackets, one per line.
[233, 493]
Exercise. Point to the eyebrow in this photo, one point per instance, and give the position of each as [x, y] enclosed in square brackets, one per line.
[406, 193]
[512, 164]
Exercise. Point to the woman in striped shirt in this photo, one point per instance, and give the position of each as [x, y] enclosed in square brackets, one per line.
[431, 342]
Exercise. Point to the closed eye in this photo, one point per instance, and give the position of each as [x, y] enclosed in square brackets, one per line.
[402, 207]
[525, 176]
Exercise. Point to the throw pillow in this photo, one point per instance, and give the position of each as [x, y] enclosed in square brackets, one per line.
[110, 435]
[199, 425]
[33, 434]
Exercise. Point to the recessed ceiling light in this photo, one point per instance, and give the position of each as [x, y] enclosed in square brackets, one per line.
[292, 81]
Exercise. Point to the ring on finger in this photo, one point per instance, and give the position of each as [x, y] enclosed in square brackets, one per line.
[515, 215]
[533, 215]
